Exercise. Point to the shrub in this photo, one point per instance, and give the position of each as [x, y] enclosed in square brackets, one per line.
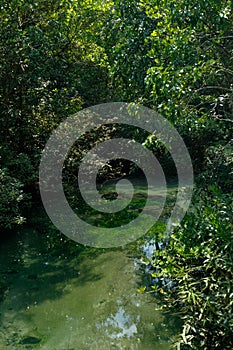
[218, 167]
[195, 273]
[11, 196]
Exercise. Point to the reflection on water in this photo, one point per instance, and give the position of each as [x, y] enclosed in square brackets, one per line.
[121, 324]
[88, 301]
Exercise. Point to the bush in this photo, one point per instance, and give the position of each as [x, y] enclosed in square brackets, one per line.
[218, 167]
[11, 196]
[195, 273]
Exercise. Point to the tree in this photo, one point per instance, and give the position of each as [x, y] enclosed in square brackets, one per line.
[51, 67]
[176, 57]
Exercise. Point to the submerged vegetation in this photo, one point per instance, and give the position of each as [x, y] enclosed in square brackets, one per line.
[58, 57]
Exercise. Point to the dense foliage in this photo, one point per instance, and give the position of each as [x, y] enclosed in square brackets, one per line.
[195, 273]
[173, 56]
[51, 67]
[11, 194]
[176, 57]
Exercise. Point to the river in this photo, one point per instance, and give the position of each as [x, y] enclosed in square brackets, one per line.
[62, 298]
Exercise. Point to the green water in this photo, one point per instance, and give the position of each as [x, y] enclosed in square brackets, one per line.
[85, 299]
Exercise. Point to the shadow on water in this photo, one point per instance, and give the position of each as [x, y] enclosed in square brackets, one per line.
[26, 259]
[61, 296]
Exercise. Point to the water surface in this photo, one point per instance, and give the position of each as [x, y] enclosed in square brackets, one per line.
[58, 298]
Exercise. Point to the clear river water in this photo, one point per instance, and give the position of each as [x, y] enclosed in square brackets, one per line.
[85, 299]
